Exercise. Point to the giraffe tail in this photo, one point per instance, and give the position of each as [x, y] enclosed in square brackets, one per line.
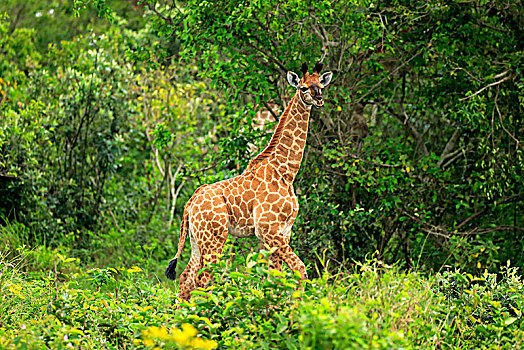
[171, 269]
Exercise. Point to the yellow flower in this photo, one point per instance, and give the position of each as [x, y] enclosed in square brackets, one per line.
[189, 330]
[203, 344]
[185, 338]
[134, 269]
[158, 332]
[148, 342]
[179, 337]
[4, 341]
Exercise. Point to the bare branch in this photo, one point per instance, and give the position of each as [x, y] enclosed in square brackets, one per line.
[270, 110]
[486, 208]
[152, 7]
[324, 53]
[502, 123]
[174, 194]
[468, 73]
[432, 229]
[446, 153]
[479, 231]
[485, 87]
[446, 233]
[278, 62]
[483, 23]
[388, 76]
[453, 157]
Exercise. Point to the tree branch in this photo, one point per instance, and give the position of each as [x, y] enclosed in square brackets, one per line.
[270, 110]
[174, 194]
[446, 153]
[501, 122]
[481, 22]
[152, 7]
[486, 208]
[487, 86]
[388, 76]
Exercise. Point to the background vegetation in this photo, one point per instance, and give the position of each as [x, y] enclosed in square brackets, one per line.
[113, 112]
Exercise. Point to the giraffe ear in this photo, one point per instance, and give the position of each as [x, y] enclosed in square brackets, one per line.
[293, 79]
[325, 78]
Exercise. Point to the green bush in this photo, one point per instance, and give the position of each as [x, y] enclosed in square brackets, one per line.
[251, 307]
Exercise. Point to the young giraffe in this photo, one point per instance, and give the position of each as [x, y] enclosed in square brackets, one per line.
[259, 202]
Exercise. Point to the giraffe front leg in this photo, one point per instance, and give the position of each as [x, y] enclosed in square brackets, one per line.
[271, 237]
[284, 254]
[276, 260]
[274, 230]
[293, 261]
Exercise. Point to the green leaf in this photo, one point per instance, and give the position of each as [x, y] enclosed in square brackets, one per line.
[199, 293]
[509, 321]
[281, 327]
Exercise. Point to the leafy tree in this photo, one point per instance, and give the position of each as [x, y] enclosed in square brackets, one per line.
[416, 155]
[436, 87]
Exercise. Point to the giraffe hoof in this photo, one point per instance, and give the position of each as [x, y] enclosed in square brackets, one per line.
[171, 269]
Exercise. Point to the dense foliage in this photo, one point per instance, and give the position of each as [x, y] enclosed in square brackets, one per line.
[374, 306]
[417, 153]
[113, 112]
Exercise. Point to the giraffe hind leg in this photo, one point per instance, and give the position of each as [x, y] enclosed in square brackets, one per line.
[211, 235]
[205, 245]
[188, 278]
[212, 255]
[212, 252]
[208, 230]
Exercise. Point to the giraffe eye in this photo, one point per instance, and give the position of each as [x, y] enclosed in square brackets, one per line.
[304, 89]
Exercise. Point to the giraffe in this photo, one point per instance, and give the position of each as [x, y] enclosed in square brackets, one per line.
[260, 202]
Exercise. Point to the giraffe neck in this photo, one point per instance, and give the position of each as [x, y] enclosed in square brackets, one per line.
[287, 145]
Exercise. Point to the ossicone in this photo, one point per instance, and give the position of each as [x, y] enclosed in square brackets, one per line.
[304, 68]
[318, 67]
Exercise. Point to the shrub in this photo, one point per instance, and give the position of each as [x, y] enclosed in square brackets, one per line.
[251, 307]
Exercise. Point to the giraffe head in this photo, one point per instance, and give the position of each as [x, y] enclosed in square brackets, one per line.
[309, 88]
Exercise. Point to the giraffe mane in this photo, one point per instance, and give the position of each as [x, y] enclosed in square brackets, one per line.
[266, 153]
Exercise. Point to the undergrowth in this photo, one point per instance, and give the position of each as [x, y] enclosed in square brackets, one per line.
[375, 306]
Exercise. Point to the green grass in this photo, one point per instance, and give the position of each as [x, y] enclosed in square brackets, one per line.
[375, 306]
